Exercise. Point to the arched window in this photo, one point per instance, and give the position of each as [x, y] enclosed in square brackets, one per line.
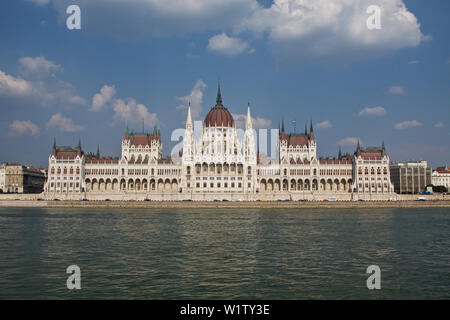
[78, 170]
[71, 170]
[53, 170]
[188, 170]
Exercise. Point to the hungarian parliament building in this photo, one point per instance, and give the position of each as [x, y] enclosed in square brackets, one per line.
[218, 166]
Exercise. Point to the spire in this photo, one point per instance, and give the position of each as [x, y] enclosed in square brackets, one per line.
[248, 124]
[282, 126]
[189, 117]
[340, 153]
[383, 146]
[79, 144]
[306, 130]
[358, 147]
[311, 131]
[98, 152]
[126, 131]
[219, 96]
[54, 143]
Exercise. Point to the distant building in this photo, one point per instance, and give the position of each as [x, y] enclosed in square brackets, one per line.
[23, 179]
[2, 177]
[441, 177]
[410, 177]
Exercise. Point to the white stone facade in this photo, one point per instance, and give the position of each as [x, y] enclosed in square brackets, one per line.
[217, 166]
[441, 177]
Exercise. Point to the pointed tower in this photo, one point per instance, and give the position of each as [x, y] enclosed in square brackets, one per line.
[248, 123]
[188, 140]
[54, 143]
[98, 152]
[340, 153]
[219, 96]
[306, 130]
[358, 146]
[125, 136]
[79, 144]
[311, 131]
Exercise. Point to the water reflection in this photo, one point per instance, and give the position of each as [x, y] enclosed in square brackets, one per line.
[224, 253]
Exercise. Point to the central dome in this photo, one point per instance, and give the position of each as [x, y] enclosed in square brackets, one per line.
[219, 116]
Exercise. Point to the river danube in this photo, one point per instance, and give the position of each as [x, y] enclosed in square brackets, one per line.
[224, 253]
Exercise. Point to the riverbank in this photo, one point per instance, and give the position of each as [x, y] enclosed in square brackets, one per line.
[225, 204]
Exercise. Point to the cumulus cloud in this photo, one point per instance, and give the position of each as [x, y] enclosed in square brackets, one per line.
[38, 85]
[258, 123]
[375, 111]
[64, 124]
[324, 124]
[99, 100]
[348, 142]
[140, 18]
[15, 86]
[129, 110]
[396, 90]
[439, 124]
[407, 124]
[295, 29]
[20, 128]
[228, 46]
[37, 67]
[323, 29]
[195, 97]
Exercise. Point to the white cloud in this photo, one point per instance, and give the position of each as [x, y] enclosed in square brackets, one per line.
[38, 85]
[64, 124]
[227, 46]
[324, 124]
[440, 124]
[19, 128]
[133, 112]
[10, 85]
[324, 29]
[99, 100]
[407, 124]
[38, 66]
[396, 90]
[348, 142]
[375, 111]
[140, 18]
[258, 123]
[195, 98]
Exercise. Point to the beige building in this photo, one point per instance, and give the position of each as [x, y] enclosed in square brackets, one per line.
[23, 179]
[410, 177]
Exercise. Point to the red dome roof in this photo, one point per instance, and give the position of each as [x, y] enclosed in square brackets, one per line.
[219, 116]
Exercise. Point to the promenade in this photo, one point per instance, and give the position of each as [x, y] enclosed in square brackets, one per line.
[226, 204]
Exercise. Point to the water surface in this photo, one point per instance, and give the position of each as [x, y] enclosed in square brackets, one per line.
[224, 253]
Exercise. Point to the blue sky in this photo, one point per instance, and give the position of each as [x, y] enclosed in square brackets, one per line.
[151, 57]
